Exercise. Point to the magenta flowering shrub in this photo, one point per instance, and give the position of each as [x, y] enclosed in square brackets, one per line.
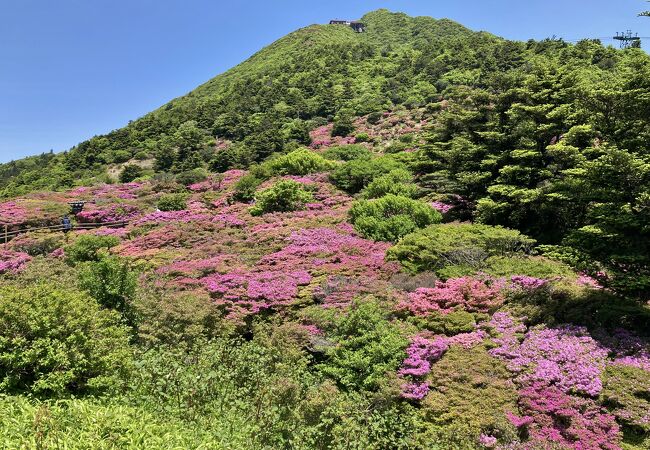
[566, 357]
[527, 283]
[443, 208]
[113, 190]
[421, 353]
[13, 213]
[251, 292]
[551, 416]
[487, 441]
[626, 348]
[558, 371]
[321, 138]
[115, 212]
[588, 281]
[332, 252]
[184, 215]
[13, 262]
[470, 294]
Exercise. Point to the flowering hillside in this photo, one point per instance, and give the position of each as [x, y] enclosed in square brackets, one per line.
[546, 349]
[419, 237]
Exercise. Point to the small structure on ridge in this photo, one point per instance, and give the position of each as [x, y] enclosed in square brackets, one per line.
[356, 25]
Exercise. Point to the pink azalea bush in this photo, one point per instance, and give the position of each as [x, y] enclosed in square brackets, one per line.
[551, 416]
[470, 294]
[12, 213]
[566, 357]
[13, 262]
[421, 353]
[115, 212]
[254, 291]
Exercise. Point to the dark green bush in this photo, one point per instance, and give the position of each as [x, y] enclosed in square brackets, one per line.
[89, 247]
[391, 217]
[236, 156]
[299, 162]
[192, 176]
[130, 172]
[347, 152]
[245, 188]
[55, 341]
[439, 246]
[173, 202]
[397, 182]
[112, 282]
[368, 347]
[470, 395]
[356, 174]
[283, 196]
[342, 126]
[181, 319]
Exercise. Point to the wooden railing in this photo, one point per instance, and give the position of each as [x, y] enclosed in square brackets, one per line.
[9, 235]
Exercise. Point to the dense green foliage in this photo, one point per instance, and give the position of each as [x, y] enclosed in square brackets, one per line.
[283, 196]
[298, 162]
[440, 246]
[89, 248]
[55, 341]
[356, 174]
[111, 282]
[130, 172]
[397, 182]
[172, 202]
[391, 217]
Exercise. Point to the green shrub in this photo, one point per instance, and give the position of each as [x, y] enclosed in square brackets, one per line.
[362, 137]
[356, 174]
[391, 217]
[449, 324]
[368, 347]
[470, 392]
[173, 202]
[342, 126]
[121, 156]
[396, 147]
[374, 117]
[37, 243]
[506, 266]
[236, 156]
[142, 155]
[181, 319]
[626, 393]
[55, 341]
[192, 176]
[533, 266]
[397, 182]
[467, 245]
[299, 162]
[347, 152]
[246, 389]
[89, 247]
[111, 282]
[245, 188]
[80, 424]
[130, 172]
[283, 196]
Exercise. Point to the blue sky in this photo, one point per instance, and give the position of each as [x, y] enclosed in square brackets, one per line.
[70, 69]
